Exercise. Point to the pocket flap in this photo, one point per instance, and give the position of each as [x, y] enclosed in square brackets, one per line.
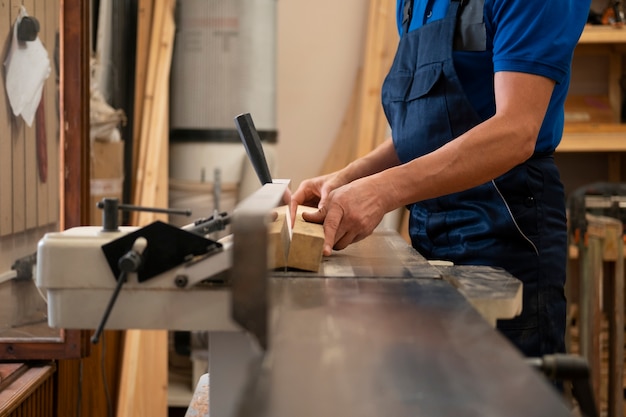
[424, 80]
[396, 87]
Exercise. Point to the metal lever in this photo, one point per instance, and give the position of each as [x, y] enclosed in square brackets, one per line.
[110, 207]
[252, 142]
[131, 261]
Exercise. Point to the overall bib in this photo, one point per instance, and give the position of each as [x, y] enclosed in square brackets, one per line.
[516, 222]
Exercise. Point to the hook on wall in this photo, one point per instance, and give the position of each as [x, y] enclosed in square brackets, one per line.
[27, 29]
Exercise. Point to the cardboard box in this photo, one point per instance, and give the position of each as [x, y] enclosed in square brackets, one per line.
[107, 175]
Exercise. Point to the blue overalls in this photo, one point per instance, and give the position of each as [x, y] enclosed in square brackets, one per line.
[516, 222]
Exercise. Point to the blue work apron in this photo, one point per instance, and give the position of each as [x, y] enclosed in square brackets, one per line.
[516, 222]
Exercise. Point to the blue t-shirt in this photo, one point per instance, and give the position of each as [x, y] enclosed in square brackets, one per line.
[533, 36]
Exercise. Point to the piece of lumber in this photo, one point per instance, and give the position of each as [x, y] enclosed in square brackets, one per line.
[343, 148]
[144, 24]
[150, 188]
[143, 383]
[52, 122]
[364, 124]
[307, 243]
[279, 239]
[6, 144]
[379, 47]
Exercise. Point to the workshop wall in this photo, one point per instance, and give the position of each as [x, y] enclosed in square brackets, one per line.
[29, 183]
[318, 60]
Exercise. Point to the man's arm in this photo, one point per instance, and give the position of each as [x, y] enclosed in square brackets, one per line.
[351, 212]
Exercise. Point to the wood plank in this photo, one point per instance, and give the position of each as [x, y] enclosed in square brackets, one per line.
[615, 314]
[18, 156]
[144, 25]
[343, 149]
[9, 372]
[153, 99]
[148, 101]
[591, 271]
[377, 60]
[364, 124]
[307, 243]
[391, 39]
[41, 128]
[369, 85]
[30, 155]
[50, 197]
[143, 386]
[279, 239]
[16, 394]
[53, 124]
[6, 144]
[152, 188]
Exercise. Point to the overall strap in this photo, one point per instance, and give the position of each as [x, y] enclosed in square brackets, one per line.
[407, 15]
[471, 34]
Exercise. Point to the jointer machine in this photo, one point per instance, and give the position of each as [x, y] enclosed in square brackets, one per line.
[377, 330]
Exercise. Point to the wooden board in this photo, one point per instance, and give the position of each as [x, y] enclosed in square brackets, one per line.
[279, 239]
[343, 149]
[143, 384]
[18, 159]
[30, 157]
[6, 172]
[364, 125]
[149, 189]
[307, 243]
[144, 24]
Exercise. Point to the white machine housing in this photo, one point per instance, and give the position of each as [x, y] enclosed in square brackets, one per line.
[73, 270]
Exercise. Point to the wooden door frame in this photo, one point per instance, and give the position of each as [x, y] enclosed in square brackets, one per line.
[74, 162]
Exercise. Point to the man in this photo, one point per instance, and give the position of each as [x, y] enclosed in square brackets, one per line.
[475, 102]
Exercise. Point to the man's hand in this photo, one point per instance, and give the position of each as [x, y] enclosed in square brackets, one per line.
[313, 192]
[349, 213]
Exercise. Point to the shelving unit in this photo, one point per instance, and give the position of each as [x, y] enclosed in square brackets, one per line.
[593, 147]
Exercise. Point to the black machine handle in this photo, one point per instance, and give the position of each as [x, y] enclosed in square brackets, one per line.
[252, 142]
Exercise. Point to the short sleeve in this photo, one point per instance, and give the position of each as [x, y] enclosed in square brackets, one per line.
[535, 36]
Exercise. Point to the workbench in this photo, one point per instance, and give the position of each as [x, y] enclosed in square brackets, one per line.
[377, 331]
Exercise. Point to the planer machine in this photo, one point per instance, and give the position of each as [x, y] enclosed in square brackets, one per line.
[377, 330]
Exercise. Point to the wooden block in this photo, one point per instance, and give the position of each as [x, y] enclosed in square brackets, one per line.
[279, 240]
[307, 243]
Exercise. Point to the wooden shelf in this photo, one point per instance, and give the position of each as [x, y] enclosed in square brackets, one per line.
[603, 34]
[593, 137]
